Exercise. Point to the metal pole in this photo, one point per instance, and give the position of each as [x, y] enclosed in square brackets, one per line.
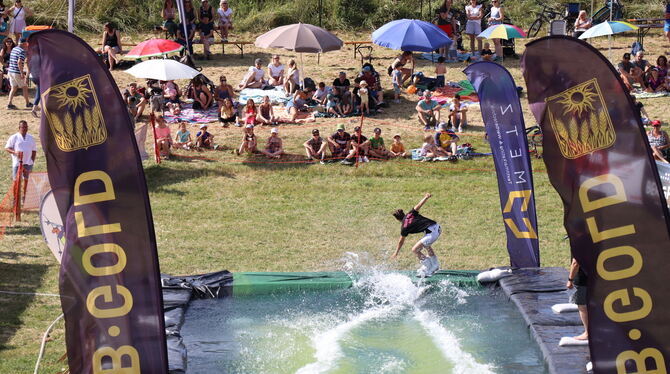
[182, 17]
[320, 11]
[70, 15]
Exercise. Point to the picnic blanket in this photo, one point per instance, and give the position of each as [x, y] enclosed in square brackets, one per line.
[432, 57]
[649, 95]
[303, 117]
[444, 95]
[193, 116]
[277, 95]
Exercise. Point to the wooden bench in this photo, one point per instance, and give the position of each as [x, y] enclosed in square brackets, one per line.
[239, 44]
[359, 46]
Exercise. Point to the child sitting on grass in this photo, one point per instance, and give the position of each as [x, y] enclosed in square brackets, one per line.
[250, 112]
[248, 141]
[321, 94]
[429, 151]
[227, 113]
[183, 139]
[265, 114]
[440, 71]
[273, 148]
[397, 148]
[204, 139]
[333, 105]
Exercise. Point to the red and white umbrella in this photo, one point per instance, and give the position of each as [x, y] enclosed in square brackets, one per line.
[153, 48]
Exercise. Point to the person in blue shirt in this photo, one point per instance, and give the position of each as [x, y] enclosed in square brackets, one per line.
[428, 110]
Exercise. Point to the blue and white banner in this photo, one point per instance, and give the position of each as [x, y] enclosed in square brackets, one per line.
[503, 120]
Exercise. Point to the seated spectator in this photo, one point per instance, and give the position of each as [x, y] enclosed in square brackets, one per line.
[206, 31]
[154, 96]
[135, 100]
[204, 139]
[625, 68]
[266, 115]
[224, 91]
[429, 151]
[662, 66]
[446, 141]
[250, 112]
[640, 112]
[342, 82]
[111, 44]
[201, 95]
[273, 148]
[428, 110]
[248, 141]
[659, 141]
[487, 53]
[377, 148]
[186, 39]
[163, 137]
[458, 114]
[373, 80]
[296, 104]
[292, 78]
[640, 68]
[276, 72]
[397, 148]
[227, 113]
[321, 94]
[346, 102]
[339, 143]
[205, 11]
[582, 23]
[169, 14]
[255, 77]
[171, 95]
[400, 62]
[225, 19]
[359, 147]
[315, 147]
[333, 103]
[183, 138]
[654, 82]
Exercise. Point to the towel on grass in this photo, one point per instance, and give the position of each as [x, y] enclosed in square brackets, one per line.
[283, 115]
[193, 116]
[277, 95]
[649, 95]
[569, 341]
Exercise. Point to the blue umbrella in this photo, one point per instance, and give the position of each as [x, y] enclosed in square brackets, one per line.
[411, 35]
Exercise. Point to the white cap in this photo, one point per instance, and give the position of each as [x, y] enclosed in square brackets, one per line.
[274, 130]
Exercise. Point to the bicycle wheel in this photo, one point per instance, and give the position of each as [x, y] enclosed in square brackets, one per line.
[535, 28]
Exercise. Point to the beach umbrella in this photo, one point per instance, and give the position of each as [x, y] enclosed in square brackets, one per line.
[502, 31]
[607, 28]
[153, 48]
[411, 35]
[300, 37]
[164, 70]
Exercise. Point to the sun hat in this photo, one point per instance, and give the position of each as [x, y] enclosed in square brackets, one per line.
[364, 83]
[274, 130]
[340, 126]
[250, 126]
[367, 68]
[396, 136]
[656, 123]
[203, 126]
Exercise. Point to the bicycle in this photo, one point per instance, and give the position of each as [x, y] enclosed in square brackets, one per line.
[535, 138]
[603, 14]
[547, 15]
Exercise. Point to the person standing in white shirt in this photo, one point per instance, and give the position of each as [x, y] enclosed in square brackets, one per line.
[474, 25]
[22, 144]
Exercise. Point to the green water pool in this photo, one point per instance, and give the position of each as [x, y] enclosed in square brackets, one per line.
[383, 324]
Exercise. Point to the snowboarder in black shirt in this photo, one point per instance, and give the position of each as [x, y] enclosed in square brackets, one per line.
[413, 223]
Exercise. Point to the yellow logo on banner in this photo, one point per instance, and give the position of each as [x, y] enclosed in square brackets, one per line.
[74, 114]
[580, 120]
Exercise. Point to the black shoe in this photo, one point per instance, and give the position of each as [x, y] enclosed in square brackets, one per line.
[29, 105]
[11, 106]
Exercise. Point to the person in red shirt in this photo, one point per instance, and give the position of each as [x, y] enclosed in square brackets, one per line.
[414, 223]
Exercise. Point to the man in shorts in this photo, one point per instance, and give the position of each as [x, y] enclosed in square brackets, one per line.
[23, 149]
[17, 77]
[414, 223]
[315, 147]
[577, 278]
[428, 111]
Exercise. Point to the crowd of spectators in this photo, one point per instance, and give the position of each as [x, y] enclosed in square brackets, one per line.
[638, 74]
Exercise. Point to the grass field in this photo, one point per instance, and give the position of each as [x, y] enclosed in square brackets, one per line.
[244, 214]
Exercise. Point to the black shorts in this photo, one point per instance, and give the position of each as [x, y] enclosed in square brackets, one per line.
[579, 297]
